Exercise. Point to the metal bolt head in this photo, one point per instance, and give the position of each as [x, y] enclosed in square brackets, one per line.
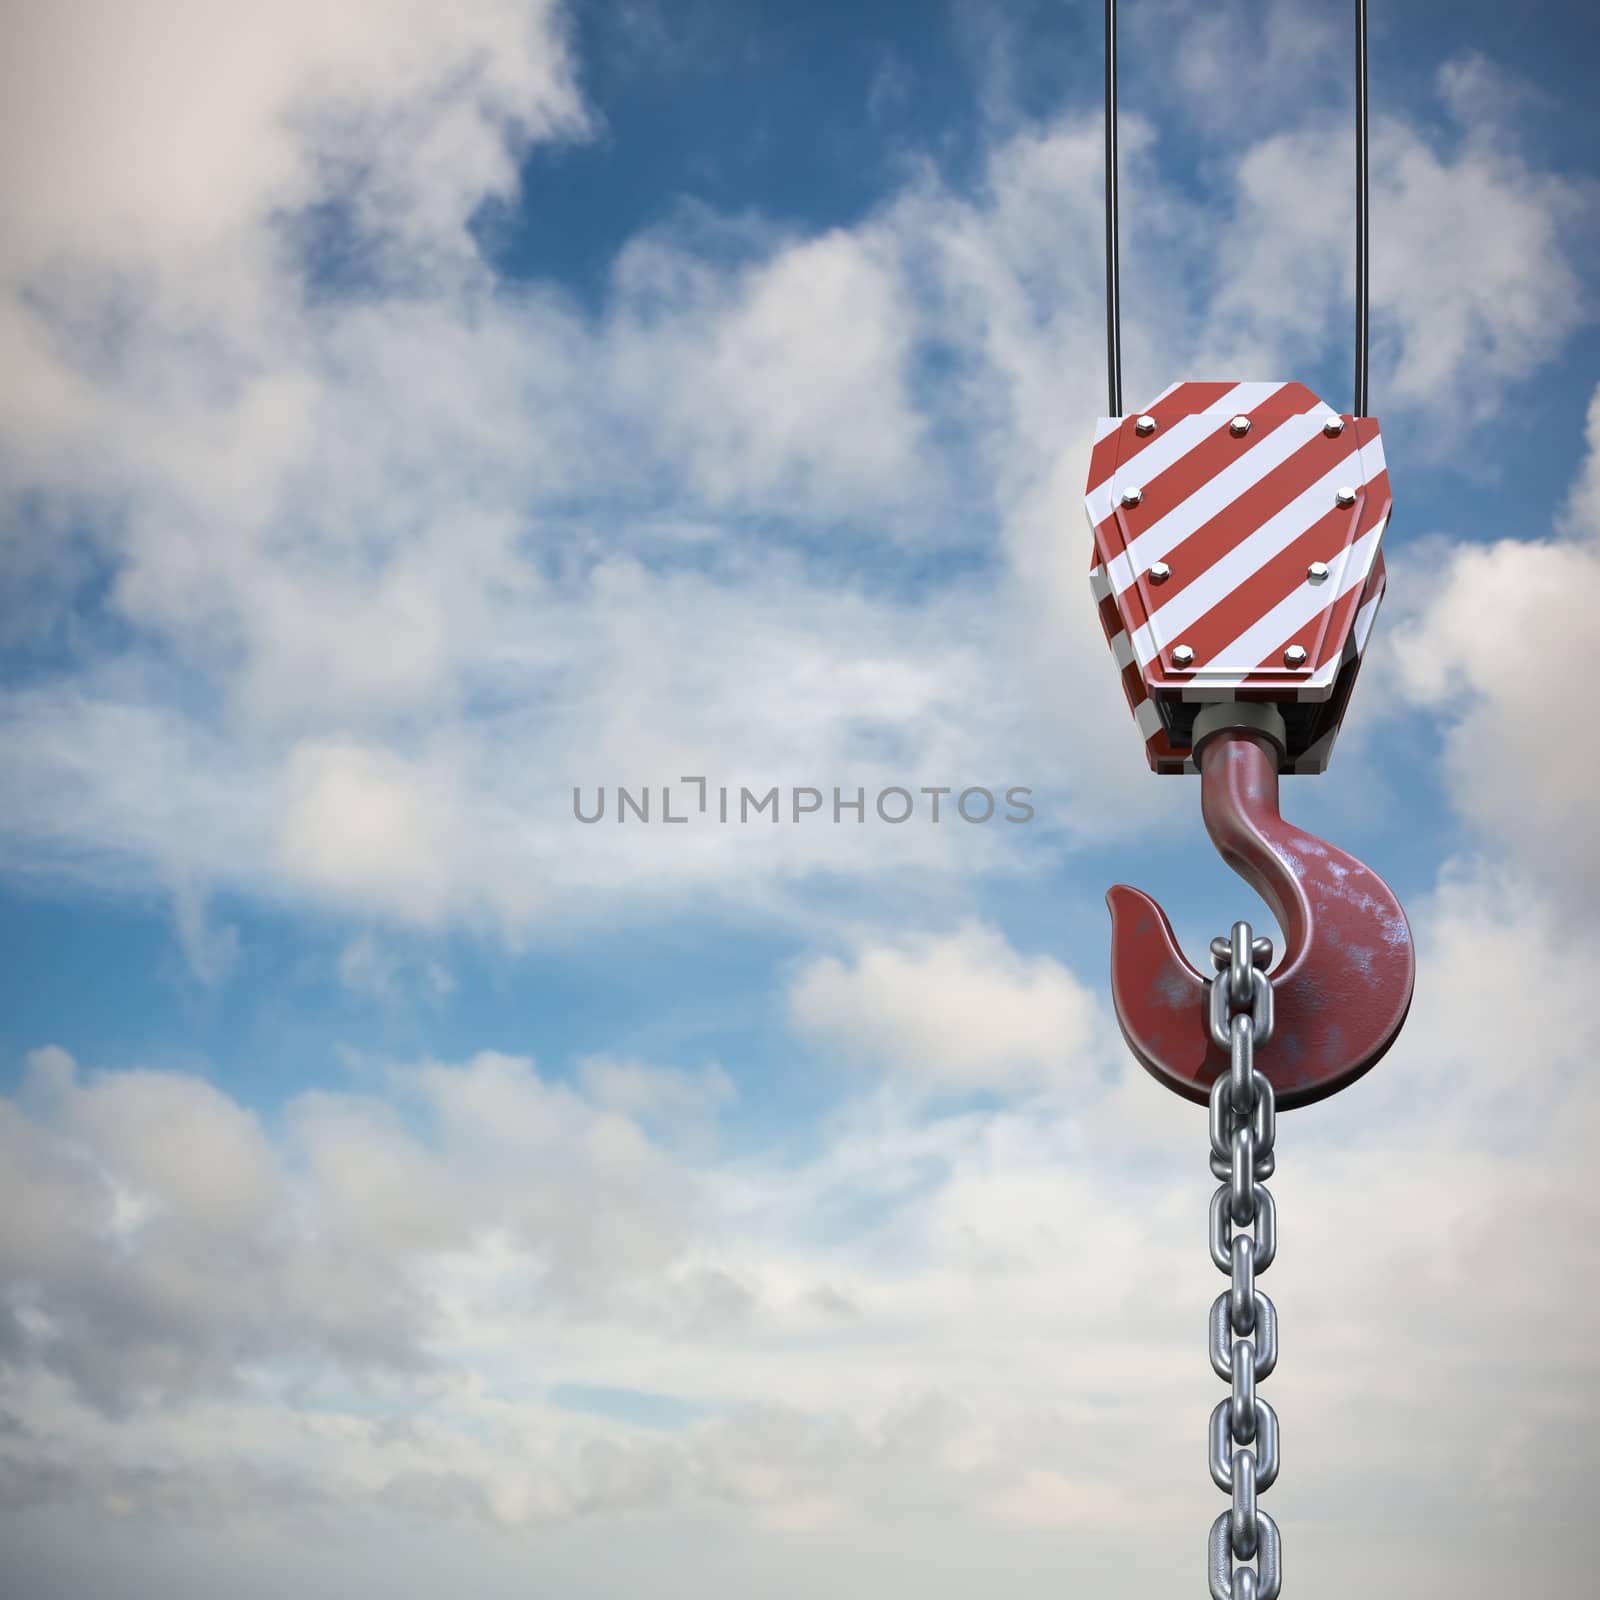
[1144, 426]
[1160, 572]
[1317, 572]
[1294, 656]
[1345, 496]
[1182, 656]
[1239, 427]
[1333, 427]
[1131, 497]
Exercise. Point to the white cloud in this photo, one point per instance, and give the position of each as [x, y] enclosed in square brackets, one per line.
[1264, 60]
[426, 549]
[380, 971]
[403, 560]
[1483, 643]
[962, 1011]
[182, 127]
[210, 951]
[791, 374]
[1479, 654]
[366, 826]
[1449, 341]
[957, 1308]
[1581, 515]
[133, 1195]
[651, 1095]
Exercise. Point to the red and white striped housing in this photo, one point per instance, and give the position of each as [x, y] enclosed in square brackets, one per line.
[1236, 558]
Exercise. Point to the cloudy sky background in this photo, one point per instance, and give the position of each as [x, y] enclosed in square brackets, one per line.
[410, 412]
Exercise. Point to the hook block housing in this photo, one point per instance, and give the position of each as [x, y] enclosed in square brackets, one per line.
[1236, 558]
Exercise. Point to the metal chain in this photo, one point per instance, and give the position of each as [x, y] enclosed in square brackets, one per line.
[1243, 1448]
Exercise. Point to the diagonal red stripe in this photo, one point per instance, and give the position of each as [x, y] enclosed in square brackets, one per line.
[1236, 521]
[1184, 401]
[1322, 636]
[1275, 581]
[1194, 471]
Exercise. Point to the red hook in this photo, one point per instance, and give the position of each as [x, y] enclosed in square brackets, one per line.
[1343, 987]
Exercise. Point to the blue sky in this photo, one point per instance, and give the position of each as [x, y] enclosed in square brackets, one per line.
[415, 413]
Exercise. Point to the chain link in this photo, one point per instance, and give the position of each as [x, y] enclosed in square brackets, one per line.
[1243, 1445]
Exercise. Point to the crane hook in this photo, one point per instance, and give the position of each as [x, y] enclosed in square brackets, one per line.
[1343, 988]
